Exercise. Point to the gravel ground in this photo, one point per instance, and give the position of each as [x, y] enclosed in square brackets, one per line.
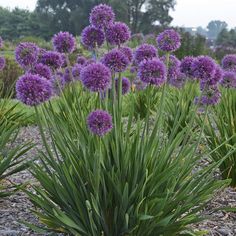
[17, 207]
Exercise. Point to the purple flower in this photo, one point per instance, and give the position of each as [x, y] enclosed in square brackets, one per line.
[118, 33]
[64, 42]
[228, 79]
[64, 60]
[229, 63]
[76, 70]
[33, 90]
[186, 66]
[81, 60]
[145, 52]
[2, 63]
[1, 42]
[169, 40]
[89, 62]
[173, 67]
[152, 72]
[67, 76]
[92, 37]
[115, 60]
[211, 96]
[101, 16]
[125, 85]
[179, 81]
[52, 59]
[99, 122]
[96, 77]
[58, 83]
[127, 52]
[26, 54]
[42, 70]
[204, 68]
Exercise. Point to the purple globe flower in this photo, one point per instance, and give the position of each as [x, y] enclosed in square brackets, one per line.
[99, 122]
[1, 42]
[89, 62]
[125, 85]
[52, 59]
[64, 42]
[228, 79]
[204, 68]
[92, 37]
[96, 77]
[152, 72]
[211, 96]
[179, 81]
[2, 63]
[81, 60]
[169, 40]
[229, 63]
[26, 54]
[42, 70]
[40, 54]
[186, 66]
[76, 70]
[173, 67]
[67, 76]
[127, 52]
[33, 90]
[101, 16]
[118, 33]
[115, 60]
[145, 52]
[64, 60]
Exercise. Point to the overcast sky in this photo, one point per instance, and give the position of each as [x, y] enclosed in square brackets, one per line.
[187, 12]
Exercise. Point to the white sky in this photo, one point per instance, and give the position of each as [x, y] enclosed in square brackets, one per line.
[187, 12]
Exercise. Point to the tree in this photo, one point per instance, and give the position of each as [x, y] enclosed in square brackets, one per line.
[215, 27]
[227, 38]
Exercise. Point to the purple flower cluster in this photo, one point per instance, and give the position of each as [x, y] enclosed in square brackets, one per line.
[229, 63]
[76, 70]
[102, 16]
[115, 60]
[33, 90]
[125, 85]
[169, 40]
[173, 67]
[2, 63]
[228, 79]
[118, 33]
[127, 52]
[96, 77]
[186, 66]
[67, 76]
[52, 59]
[92, 37]
[152, 72]
[145, 52]
[81, 60]
[99, 122]
[42, 70]
[64, 42]
[26, 55]
[178, 81]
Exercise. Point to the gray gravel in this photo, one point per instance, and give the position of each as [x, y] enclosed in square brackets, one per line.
[17, 207]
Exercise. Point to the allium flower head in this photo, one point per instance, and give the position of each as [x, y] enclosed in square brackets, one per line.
[152, 72]
[229, 63]
[145, 52]
[92, 37]
[101, 16]
[52, 59]
[33, 90]
[127, 52]
[169, 40]
[228, 79]
[204, 68]
[64, 42]
[89, 62]
[186, 66]
[96, 77]
[125, 85]
[115, 60]
[99, 122]
[26, 54]
[42, 70]
[118, 33]
[81, 60]
[67, 76]
[76, 70]
[2, 63]
[173, 67]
